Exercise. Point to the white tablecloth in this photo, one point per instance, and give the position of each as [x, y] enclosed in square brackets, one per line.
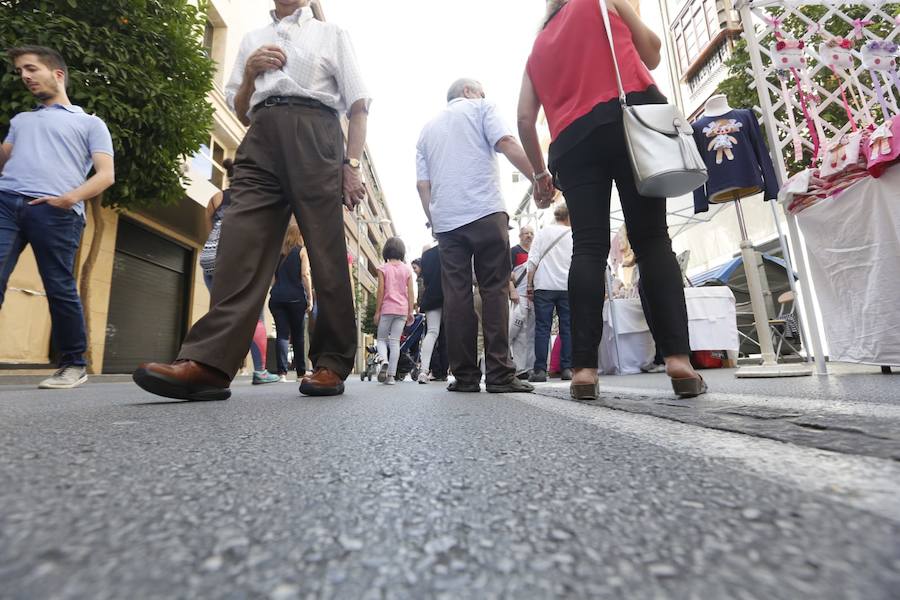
[853, 244]
[712, 325]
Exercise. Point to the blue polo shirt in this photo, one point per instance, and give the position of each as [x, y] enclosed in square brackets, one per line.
[52, 151]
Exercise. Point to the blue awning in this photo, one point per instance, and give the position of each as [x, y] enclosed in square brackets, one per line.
[722, 274]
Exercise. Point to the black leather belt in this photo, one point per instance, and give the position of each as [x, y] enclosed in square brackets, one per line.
[292, 101]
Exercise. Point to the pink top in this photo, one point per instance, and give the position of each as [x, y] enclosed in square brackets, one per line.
[396, 286]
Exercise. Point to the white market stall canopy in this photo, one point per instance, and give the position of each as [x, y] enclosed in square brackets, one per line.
[679, 211]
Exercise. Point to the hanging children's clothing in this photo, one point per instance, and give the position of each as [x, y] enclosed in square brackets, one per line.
[739, 164]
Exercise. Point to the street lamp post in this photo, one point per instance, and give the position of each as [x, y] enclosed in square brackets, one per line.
[359, 231]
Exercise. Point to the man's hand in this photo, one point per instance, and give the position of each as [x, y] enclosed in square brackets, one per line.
[64, 202]
[265, 58]
[530, 293]
[410, 319]
[514, 297]
[354, 189]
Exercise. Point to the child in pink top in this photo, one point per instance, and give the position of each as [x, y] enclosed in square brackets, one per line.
[394, 308]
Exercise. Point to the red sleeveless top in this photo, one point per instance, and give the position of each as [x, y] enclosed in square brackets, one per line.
[571, 66]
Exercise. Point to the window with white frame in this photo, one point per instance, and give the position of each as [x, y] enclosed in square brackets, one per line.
[697, 27]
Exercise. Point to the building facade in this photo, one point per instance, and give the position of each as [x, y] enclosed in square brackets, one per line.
[701, 35]
[145, 287]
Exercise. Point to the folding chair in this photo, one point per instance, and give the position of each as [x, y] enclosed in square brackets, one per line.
[785, 324]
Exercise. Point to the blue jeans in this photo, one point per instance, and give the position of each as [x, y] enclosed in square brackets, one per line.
[544, 303]
[54, 235]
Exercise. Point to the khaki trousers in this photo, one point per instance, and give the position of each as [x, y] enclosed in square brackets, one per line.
[290, 162]
[485, 243]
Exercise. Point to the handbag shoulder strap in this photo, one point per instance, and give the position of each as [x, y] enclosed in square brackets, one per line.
[521, 277]
[549, 248]
[604, 10]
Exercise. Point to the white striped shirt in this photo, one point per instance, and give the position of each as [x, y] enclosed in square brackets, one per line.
[321, 63]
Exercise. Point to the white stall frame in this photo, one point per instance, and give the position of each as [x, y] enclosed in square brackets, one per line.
[756, 29]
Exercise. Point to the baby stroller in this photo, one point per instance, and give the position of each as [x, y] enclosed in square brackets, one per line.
[372, 363]
[410, 344]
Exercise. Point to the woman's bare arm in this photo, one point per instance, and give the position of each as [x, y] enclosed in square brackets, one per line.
[211, 208]
[646, 41]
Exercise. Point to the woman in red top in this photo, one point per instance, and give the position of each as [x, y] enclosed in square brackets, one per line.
[570, 73]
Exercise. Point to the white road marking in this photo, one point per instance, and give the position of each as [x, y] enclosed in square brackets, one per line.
[861, 409]
[866, 483]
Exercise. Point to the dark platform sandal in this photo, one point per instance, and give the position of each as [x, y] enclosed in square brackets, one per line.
[689, 387]
[584, 391]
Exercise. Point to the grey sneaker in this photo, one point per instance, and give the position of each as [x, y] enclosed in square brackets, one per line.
[538, 376]
[383, 373]
[65, 378]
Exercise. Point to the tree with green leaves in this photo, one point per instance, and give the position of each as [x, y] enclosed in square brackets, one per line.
[139, 65]
[741, 88]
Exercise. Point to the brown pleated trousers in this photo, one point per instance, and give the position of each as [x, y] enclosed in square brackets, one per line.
[483, 244]
[291, 161]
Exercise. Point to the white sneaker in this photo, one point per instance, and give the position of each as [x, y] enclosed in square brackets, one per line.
[390, 381]
[282, 379]
[65, 378]
[423, 377]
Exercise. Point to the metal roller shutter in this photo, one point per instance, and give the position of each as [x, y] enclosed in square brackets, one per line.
[148, 300]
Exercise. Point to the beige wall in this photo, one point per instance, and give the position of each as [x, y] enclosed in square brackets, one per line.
[100, 284]
[24, 318]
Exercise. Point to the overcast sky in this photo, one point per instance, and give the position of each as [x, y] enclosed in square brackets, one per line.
[410, 52]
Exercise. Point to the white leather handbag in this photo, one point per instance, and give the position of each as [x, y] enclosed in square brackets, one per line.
[660, 141]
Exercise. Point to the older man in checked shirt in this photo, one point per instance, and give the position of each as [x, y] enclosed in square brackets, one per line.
[291, 81]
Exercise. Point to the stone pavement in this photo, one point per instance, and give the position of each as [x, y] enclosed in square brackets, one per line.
[412, 492]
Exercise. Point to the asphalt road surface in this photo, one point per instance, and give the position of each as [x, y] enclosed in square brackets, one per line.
[761, 490]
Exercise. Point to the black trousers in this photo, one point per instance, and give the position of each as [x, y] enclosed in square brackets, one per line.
[290, 327]
[485, 244]
[440, 362]
[585, 175]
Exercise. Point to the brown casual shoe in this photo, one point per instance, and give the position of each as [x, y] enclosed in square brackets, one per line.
[183, 380]
[323, 382]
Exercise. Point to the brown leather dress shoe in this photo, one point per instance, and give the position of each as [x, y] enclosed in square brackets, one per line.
[183, 380]
[323, 382]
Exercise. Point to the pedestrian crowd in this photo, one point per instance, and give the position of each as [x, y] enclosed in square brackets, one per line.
[489, 310]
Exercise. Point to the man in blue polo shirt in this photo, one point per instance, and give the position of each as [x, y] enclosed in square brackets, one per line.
[45, 160]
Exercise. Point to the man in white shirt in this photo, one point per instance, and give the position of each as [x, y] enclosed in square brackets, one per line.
[459, 185]
[548, 286]
[521, 323]
[291, 81]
